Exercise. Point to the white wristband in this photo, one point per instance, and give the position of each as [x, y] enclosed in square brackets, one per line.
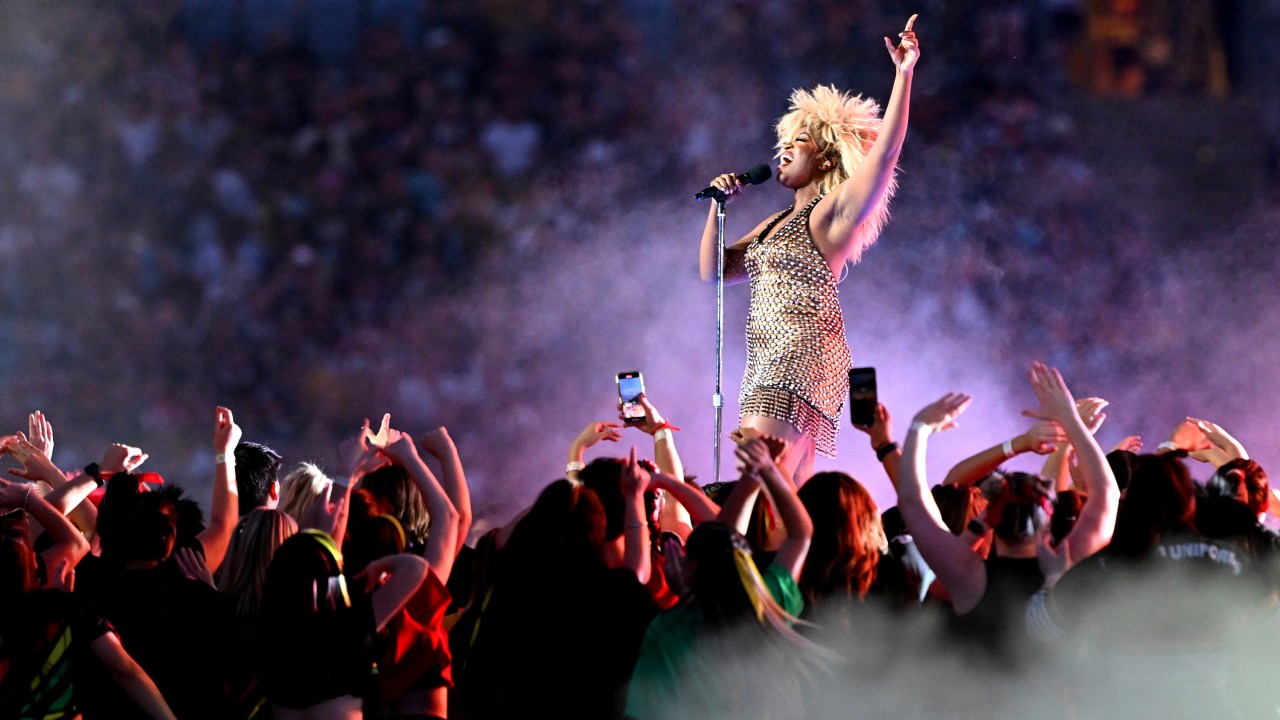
[920, 425]
[662, 434]
[573, 466]
[1008, 449]
[221, 458]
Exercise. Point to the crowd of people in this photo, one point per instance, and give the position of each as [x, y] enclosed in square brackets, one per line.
[389, 228]
[628, 590]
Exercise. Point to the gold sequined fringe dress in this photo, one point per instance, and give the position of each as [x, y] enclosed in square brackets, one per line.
[797, 358]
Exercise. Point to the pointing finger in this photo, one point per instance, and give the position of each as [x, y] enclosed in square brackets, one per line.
[911, 21]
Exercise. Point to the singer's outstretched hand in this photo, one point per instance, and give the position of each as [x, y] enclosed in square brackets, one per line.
[908, 51]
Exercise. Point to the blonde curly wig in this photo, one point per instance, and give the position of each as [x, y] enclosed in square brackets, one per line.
[845, 126]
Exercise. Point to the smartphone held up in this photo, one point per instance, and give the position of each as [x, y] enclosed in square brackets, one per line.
[630, 388]
[862, 396]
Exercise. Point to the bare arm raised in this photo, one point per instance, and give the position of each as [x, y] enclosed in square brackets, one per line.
[836, 220]
[225, 511]
[959, 568]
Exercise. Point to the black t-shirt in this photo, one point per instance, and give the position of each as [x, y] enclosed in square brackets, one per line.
[562, 646]
[996, 624]
[182, 632]
[40, 673]
[319, 657]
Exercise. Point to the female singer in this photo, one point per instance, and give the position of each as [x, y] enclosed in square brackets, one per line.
[839, 157]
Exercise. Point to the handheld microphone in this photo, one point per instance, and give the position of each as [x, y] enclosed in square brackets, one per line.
[754, 176]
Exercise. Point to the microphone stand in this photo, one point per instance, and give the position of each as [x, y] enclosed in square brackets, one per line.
[718, 398]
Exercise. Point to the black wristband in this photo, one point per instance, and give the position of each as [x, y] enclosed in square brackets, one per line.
[883, 451]
[976, 527]
[92, 471]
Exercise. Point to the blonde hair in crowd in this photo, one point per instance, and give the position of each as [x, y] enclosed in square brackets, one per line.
[301, 488]
[845, 127]
[244, 573]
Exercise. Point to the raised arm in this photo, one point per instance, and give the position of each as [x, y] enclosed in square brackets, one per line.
[635, 533]
[442, 522]
[40, 432]
[1097, 521]
[855, 199]
[958, 567]
[594, 432]
[756, 459]
[225, 511]
[439, 444]
[665, 456]
[697, 506]
[888, 452]
[736, 509]
[68, 543]
[1041, 439]
[674, 516]
[69, 499]
[1223, 448]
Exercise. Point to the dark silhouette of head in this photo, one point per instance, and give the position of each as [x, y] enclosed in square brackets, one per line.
[718, 591]
[136, 526]
[257, 476]
[304, 583]
[1160, 499]
[1242, 480]
[397, 494]
[1020, 504]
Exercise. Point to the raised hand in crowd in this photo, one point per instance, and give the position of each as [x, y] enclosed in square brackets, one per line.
[880, 432]
[1042, 438]
[1130, 443]
[1093, 529]
[1058, 464]
[756, 457]
[634, 481]
[1186, 436]
[593, 434]
[69, 545]
[225, 511]
[40, 432]
[122, 458]
[439, 444]
[36, 465]
[1222, 447]
[65, 496]
[443, 518]
[359, 456]
[664, 443]
[735, 511]
[958, 567]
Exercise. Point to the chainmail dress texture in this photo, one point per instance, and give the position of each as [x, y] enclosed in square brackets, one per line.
[797, 357]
